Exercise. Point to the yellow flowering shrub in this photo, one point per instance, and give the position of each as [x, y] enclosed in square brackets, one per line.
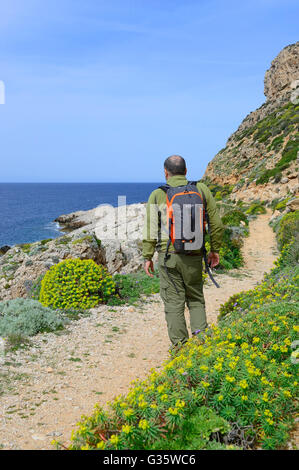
[76, 283]
[242, 380]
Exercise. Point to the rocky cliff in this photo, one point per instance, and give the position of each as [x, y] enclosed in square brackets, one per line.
[260, 158]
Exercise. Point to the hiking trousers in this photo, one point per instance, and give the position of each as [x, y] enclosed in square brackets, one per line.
[185, 272]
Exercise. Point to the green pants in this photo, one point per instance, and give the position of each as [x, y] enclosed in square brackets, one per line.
[186, 273]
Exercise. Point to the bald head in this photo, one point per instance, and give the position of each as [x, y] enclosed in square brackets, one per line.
[175, 165]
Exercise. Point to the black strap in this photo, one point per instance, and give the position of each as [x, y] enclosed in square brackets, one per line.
[208, 270]
[164, 187]
[208, 267]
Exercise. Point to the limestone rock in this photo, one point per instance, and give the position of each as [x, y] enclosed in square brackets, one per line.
[283, 75]
[293, 205]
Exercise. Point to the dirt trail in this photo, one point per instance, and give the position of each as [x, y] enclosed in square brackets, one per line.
[49, 386]
[259, 252]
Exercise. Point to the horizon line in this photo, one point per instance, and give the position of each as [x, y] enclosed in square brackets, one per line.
[77, 182]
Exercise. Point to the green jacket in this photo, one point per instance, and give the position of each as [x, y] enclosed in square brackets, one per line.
[151, 238]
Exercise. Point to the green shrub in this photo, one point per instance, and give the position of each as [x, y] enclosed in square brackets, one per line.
[45, 241]
[26, 317]
[275, 286]
[234, 218]
[130, 287]
[25, 247]
[229, 305]
[276, 143]
[281, 205]
[88, 238]
[219, 192]
[289, 254]
[76, 283]
[198, 432]
[288, 228]
[256, 208]
[230, 251]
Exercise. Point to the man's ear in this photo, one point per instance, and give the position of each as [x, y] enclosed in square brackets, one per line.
[166, 174]
[185, 171]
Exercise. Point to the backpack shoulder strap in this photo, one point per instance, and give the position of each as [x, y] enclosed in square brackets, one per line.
[194, 183]
[164, 187]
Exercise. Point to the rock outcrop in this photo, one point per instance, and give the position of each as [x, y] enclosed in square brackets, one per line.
[106, 235]
[260, 157]
[281, 77]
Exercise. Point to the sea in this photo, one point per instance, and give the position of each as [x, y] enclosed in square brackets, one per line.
[28, 210]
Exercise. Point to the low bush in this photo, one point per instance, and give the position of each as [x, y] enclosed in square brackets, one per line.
[26, 317]
[279, 205]
[76, 283]
[290, 253]
[256, 208]
[234, 218]
[288, 228]
[204, 429]
[230, 251]
[130, 287]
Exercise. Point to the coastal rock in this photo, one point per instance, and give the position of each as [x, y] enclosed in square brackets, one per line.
[71, 221]
[107, 235]
[23, 264]
[4, 249]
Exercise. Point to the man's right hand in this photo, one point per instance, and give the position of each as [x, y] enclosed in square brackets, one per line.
[149, 266]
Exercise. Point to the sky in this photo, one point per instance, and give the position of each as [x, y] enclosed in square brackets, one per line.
[104, 91]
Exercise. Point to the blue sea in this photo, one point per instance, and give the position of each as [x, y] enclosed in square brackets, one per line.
[28, 210]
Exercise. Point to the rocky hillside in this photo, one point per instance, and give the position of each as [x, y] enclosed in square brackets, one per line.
[261, 158]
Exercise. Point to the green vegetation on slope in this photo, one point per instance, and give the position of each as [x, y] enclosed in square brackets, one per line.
[278, 132]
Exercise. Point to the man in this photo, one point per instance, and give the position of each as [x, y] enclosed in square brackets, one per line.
[181, 282]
